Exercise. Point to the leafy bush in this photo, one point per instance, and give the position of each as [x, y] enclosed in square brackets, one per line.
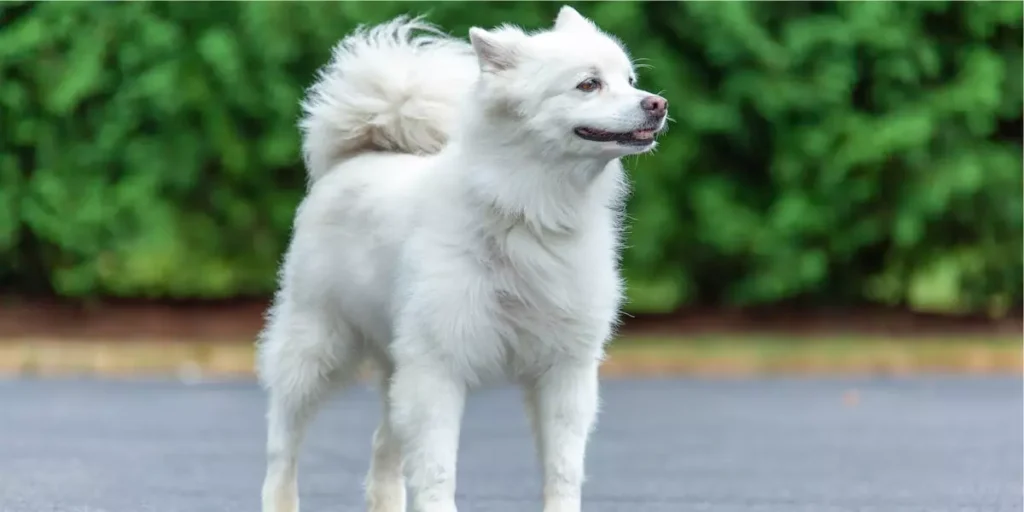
[831, 153]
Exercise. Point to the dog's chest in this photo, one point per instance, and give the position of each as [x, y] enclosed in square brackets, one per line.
[561, 288]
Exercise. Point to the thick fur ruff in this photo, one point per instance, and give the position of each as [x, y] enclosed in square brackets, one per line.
[460, 229]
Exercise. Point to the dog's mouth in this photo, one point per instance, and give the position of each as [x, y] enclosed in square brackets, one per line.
[641, 137]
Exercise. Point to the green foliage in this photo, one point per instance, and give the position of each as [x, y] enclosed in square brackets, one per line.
[832, 153]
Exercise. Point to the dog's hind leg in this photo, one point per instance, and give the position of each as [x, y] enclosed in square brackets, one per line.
[302, 357]
[385, 484]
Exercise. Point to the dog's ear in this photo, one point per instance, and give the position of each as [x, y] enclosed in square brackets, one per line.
[570, 19]
[496, 50]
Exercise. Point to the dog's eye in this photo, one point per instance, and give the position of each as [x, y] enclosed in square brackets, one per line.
[589, 85]
[632, 81]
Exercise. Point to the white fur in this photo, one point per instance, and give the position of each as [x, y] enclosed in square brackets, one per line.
[456, 232]
[391, 87]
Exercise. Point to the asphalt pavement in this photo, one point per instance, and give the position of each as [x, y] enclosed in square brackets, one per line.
[932, 444]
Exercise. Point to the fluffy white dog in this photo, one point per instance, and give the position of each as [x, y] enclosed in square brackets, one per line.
[461, 226]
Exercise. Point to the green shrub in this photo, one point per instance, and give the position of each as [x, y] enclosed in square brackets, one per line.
[830, 153]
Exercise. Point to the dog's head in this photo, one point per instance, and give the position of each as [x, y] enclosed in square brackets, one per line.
[573, 87]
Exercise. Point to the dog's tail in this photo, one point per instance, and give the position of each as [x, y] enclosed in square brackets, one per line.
[394, 87]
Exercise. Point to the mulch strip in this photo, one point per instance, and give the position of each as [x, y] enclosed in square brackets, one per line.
[115, 320]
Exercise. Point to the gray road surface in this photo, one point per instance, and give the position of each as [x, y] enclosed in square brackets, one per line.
[777, 445]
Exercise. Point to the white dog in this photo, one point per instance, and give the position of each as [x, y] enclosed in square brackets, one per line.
[461, 226]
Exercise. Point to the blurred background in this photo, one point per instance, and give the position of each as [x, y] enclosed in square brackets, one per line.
[841, 188]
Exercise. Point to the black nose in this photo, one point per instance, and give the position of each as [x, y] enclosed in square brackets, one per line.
[656, 106]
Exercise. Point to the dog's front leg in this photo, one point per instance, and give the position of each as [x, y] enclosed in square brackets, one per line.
[563, 405]
[426, 413]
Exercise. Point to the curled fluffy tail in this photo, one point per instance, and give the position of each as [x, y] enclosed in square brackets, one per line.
[393, 87]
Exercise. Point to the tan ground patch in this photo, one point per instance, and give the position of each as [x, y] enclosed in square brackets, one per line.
[634, 357]
[744, 356]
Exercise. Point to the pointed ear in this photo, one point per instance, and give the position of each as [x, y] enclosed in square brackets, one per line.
[495, 50]
[569, 19]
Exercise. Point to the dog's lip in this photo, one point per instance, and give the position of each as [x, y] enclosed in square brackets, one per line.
[639, 137]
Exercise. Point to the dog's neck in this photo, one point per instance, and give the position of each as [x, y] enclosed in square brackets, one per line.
[519, 181]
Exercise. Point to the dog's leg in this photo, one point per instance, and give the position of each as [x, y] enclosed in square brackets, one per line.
[426, 412]
[562, 405]
[385, 485]
[300, 360]
[287, 417]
